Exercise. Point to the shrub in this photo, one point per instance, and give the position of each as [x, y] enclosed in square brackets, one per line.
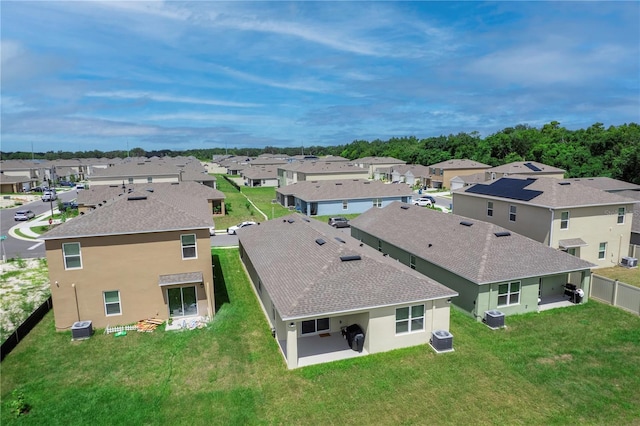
[19, 405]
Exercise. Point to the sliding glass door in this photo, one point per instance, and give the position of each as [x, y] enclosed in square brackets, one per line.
[182, 301]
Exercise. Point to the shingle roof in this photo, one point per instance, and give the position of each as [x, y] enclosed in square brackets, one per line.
[551, 193]
[169, 207]
[143, 168]
[344, 189]
[460, 164]
[472, 252]
[525, 167]
[606, 184]
[377, 160]
[305, 279]
[319, 167]
[257, 172]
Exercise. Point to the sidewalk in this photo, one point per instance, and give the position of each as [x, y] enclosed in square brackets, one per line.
[25, 227]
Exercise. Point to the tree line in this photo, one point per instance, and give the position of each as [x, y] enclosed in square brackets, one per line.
[595, 151]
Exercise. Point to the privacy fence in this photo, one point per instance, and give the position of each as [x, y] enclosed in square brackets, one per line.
[615, 293]
[24, 328]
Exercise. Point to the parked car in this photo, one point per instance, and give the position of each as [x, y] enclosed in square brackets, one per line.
[39, 189]
[212, 230]
[79, 186]
[24, 215]
[232, 229]
[339, 222]
[423, 202]
[70, 205]
[49, 196]
[66, 183]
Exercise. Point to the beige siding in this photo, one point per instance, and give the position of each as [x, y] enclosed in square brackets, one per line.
[130, 264]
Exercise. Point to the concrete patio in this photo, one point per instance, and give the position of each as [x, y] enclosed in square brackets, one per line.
[317, 350]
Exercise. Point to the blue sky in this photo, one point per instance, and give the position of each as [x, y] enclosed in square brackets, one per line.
[109, 75]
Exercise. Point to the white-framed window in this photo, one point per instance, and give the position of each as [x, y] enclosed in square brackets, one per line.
[188, 242]
[412, 261]
[489, 208]
[512, 213]
[410, 319]
[345, 205]
[377, 202]
[564, 220]
[72, 256]
[509, 293]
[315, 326]
[112, 303]
[602, 251]
[621, 211]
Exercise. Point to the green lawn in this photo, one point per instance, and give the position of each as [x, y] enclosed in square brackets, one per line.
[241, 209]
[629, 276]
[577, 365]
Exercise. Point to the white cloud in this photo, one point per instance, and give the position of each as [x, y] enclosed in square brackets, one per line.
[137, 95]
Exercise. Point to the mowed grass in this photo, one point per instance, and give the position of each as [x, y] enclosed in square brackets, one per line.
[629, 276]
[576, 365]
[241, 209]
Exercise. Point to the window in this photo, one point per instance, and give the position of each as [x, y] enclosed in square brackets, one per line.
[602, 251]
[130, 180]
[315, 326]
[149, 179]
[72, 256]
[412, 262]
[489, 208]
[379, 245]
[112, 302]
[188, 246]
[410, 319]
[509, 294]
[377, 202]
[621, 215]
[345, 204]
[564, 220]
[512, 213]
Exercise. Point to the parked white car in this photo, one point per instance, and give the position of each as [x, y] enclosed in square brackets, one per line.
[422, 202]
[23, 215]
[232, 229]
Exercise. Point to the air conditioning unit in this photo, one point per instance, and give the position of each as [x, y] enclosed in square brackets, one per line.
[494, 319]
[442, 341]
[81, 330]
[629, 262]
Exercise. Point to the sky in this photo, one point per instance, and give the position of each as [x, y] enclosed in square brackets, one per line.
[107, 75]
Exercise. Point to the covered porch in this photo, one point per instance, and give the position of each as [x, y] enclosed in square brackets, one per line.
[321, 348]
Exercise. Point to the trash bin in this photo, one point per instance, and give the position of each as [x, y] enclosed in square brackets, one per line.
[579, 294]
[351, 333]
[358, 342]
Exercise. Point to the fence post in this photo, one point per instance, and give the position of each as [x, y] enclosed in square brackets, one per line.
[614, 302]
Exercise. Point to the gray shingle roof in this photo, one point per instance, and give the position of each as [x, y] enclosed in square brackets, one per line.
[169, 207]
[519, 167]
[559, 193]
[322, 167]
[305, 279]
[473, 252]
[460, 164]
[344, 189]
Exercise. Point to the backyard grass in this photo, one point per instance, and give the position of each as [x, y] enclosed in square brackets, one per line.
[575, 365]
[262, 198]
[241, 210]
[629, 276]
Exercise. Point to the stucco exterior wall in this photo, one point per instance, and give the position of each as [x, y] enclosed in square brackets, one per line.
[136, 179]
[335, 207]
[132, 265]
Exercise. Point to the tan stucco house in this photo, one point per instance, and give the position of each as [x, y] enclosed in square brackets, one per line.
[313, 280]
[524, 168]
[440, 174]
[490, 268]
[319, 170]
[591, 224]
[140, 255]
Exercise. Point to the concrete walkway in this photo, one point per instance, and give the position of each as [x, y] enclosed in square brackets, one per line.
[25, 227]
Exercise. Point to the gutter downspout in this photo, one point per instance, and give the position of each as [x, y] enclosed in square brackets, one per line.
[551, 228]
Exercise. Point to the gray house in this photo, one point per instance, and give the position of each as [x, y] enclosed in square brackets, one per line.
[488, 266]
[313, 280]
[338, 197]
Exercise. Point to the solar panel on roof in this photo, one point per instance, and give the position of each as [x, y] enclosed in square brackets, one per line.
[513, 189]
[533, 167]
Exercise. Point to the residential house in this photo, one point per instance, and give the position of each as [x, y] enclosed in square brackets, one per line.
[490, 267]
[14, 184]
[458, 182]
[524, 168]
[339, 197]
[591, 224]
[255, 176]
[141, 255]
[318, 170]
[372, 164]
[442, 173]
[411, 174]
[319, 280]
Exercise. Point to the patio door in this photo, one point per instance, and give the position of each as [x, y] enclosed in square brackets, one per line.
[182, 301]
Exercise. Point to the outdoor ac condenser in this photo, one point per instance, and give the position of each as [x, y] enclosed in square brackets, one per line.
[442, 340]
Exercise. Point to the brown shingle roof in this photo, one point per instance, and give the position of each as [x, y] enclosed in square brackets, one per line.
[305, 279]
[344, 189]
[460, 164]
[472, 252]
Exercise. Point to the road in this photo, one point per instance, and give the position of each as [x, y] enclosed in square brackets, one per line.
[14, 247]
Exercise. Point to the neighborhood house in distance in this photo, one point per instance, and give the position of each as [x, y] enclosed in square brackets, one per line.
[320, 282]
[143, 252]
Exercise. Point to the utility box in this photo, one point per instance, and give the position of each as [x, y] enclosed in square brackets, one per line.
[494, 319]
[81, 330]
[442, 341]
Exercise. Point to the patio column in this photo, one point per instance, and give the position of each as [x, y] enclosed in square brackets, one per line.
[292, 345]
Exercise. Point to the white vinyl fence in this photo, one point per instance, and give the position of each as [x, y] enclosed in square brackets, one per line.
[615, 293]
